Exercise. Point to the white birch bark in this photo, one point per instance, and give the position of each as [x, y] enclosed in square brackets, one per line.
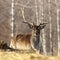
[12, 19]
[39, 11]
[43, 32]
[36, 12]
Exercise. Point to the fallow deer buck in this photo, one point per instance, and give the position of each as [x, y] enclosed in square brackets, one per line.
[29, 41]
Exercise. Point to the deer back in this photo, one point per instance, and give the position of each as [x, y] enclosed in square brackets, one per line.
[21, 42]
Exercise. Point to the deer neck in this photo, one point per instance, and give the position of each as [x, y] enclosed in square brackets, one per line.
[35, 39]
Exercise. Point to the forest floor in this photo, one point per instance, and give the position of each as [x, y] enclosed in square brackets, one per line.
[17, 55]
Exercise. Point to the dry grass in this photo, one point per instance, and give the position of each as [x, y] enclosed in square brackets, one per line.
[8, 55]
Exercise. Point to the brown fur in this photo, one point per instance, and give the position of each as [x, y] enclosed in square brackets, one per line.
[28, 41]
[21, 39]
[25, 39]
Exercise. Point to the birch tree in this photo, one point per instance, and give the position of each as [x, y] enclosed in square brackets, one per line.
[43, 32]
[12, 19]
[51, 46]
[58, 30]
[37, 11]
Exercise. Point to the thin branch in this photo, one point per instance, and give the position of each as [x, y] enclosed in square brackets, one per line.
[25, 6]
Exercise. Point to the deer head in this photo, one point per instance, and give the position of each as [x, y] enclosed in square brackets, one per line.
[36, 28]
[35, 37]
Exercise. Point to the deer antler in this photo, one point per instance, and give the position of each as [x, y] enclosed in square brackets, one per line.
[24, 21]
[28, 23]
[44, 23]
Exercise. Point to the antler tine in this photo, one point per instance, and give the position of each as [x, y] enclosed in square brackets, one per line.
[44, 23]
[27, 22]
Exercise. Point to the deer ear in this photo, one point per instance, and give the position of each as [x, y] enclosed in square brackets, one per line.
[41, 26]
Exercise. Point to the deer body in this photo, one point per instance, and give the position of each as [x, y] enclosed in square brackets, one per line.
[21, 42]
[26, 42]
